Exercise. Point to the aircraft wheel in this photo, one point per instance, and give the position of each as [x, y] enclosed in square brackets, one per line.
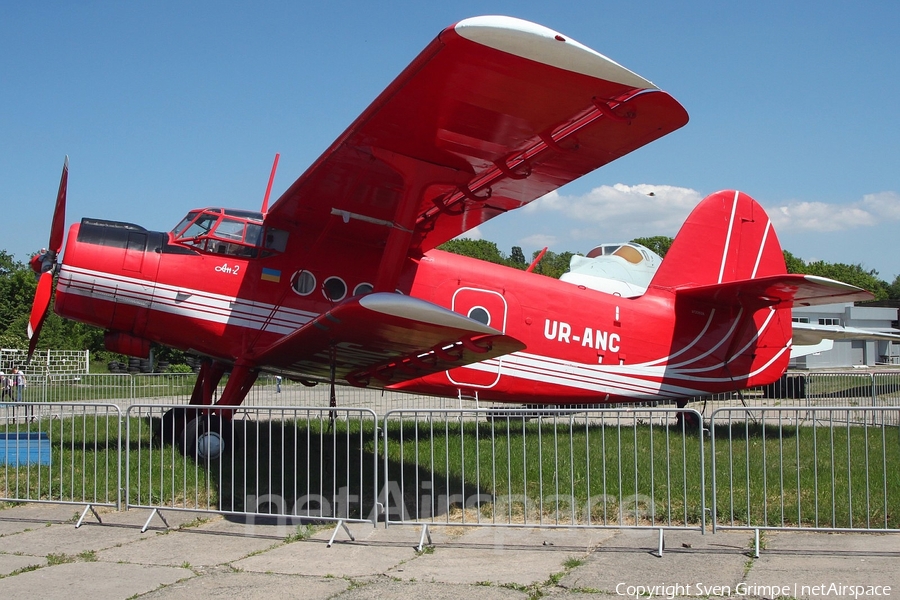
[173, 422]
[207, 437]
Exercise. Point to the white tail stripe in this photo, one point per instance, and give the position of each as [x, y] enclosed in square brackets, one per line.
[728, 236]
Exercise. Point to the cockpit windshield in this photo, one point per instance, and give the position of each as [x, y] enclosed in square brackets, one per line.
[229, 232]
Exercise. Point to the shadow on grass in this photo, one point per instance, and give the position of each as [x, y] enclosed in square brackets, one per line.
[309, 470]
[749, 430]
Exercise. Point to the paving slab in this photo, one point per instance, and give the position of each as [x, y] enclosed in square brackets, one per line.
[10, 563]
[390, 590]
[25, 517]
[344, 559]
[478, 566]
[208, 544]
[628, 564]
[816, 565]
[492, 556]
[65, 539]
[138, 517]
[98, 581]
[251, 586]
[573, 540]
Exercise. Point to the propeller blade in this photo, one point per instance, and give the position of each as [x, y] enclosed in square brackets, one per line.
[39, 310]
[57, 229]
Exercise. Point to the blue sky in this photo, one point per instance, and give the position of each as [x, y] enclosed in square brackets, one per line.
[167, 106]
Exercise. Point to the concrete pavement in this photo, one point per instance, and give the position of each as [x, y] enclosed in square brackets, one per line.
[43, 555]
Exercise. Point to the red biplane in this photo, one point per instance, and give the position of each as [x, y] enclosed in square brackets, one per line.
[340, 281]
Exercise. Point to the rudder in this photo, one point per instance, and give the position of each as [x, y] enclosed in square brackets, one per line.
[727, 237]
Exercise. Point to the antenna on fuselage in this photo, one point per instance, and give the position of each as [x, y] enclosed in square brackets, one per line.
[265, 204]
[536, 260]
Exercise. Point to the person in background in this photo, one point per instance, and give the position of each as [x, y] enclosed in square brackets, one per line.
[5, 384]
[19, 384]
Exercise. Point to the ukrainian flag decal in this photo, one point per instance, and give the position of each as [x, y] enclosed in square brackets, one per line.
[271, 275]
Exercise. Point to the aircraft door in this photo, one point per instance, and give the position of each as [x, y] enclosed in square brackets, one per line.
[134, 295]
[490, 308]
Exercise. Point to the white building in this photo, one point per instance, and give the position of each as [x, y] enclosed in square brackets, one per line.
[851, 352]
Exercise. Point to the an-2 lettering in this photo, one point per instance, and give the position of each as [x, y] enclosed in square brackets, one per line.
[226, 268]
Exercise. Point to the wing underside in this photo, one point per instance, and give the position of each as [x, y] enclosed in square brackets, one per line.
[383, 339]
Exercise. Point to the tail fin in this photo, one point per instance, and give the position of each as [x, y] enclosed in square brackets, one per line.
[727, 237]
[726, 278]
[727, 252]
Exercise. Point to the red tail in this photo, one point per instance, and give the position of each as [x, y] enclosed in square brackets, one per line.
[728, 237]
[723, 266]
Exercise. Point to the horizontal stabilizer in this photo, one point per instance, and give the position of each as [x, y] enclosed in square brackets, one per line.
[383, 339]
[797, 290]
[811, 333]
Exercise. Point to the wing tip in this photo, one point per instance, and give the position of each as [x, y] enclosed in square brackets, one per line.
[542, 44]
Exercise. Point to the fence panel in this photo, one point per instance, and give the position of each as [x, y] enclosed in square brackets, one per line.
[67, 453]
[554, 467]
[809, 468]
[316, 463]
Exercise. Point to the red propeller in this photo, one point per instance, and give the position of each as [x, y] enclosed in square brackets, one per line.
[45, 264]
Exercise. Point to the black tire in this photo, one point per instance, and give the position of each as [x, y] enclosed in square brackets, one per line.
[172, 424]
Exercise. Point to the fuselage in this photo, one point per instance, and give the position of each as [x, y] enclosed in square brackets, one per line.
[582, 345]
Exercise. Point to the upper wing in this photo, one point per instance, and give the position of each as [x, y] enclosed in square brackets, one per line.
[802, 290]
[385, 338]
[493, 114]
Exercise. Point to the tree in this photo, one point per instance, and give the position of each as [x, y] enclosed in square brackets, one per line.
[17, 287]
[894, 289]
[517, 258]
[793, 264]
[553, 264]
[480, 249]
[658, 243]
[852, 274]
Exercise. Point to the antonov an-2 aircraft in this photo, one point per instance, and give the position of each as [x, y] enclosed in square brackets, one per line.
[340, 281]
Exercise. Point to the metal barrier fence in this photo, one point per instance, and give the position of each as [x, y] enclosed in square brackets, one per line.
[314, 463]
[617, 468]
[813, 388]
[804, 467]
[168, 388]
[64, 453]
[809, 468]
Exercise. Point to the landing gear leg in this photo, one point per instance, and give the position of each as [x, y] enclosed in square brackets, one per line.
[211, 434]
[201, 430]
[686, 419]
[175, 419]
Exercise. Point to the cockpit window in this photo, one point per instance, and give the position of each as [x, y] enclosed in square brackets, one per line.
[234, 233]
[184, 223]
[200, 227]
[629, 253]
[276, 239]
[230, 229]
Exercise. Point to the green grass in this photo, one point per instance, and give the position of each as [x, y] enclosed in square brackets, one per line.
[544, 470]
[844, 476]
[509, 470]
[84, 466]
